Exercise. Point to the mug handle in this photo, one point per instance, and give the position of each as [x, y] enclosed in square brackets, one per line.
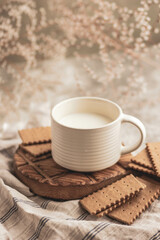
[136, 122]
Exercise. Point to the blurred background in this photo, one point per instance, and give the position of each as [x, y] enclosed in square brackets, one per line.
[55, 49]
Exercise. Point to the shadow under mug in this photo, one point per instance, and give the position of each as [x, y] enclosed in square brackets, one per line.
[91, 149]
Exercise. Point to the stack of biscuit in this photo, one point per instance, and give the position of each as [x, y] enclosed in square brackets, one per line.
[123, 200]
[147, 161]
[128, 209]
[118, 192]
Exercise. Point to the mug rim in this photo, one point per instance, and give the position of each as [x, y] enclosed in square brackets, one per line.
[94, 98]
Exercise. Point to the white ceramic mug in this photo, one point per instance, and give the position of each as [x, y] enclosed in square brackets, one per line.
[93, 148]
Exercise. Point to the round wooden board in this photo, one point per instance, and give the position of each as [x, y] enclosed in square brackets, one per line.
[46, 178]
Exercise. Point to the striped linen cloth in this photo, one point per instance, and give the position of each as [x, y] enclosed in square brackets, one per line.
[24, 215]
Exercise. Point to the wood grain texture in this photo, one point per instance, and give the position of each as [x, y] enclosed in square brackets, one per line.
[125, 160]
[46, 178]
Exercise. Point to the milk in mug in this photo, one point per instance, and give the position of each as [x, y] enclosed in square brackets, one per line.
[83, 120]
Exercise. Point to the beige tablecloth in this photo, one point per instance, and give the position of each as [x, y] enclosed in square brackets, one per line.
[24, 215]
